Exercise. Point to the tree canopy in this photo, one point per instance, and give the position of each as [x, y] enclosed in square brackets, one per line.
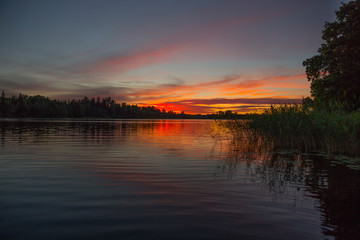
[38, 106]
[335, 72]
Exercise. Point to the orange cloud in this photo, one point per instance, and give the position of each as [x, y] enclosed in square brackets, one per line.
[183, 90]
[241, 105]
[176, 97]
[230, 86]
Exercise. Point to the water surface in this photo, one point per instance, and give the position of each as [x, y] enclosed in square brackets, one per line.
[164, 179]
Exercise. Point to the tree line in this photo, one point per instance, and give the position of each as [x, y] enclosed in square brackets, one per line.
[38, 106]
[25, 106]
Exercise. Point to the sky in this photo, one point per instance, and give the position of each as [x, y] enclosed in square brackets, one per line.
[196, 56]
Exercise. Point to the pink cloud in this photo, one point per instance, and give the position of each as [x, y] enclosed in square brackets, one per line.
[166, 48]
[136, 59]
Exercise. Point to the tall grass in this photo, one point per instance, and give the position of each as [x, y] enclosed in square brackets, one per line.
[308, 129]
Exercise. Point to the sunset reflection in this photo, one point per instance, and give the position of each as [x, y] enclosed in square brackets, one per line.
[175, 171]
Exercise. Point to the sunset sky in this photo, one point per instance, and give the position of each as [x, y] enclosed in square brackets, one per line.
[197, 56]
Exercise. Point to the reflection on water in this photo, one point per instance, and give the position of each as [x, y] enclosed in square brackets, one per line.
[165, 179]
[294, 175]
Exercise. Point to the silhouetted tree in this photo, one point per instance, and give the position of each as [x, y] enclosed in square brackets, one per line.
[335, 72]
[2, 104]
[42, 107]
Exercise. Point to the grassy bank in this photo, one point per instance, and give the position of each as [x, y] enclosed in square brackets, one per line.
[304, 128]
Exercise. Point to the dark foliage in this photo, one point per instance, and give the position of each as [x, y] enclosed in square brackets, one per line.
[38, 106]
[335, 72]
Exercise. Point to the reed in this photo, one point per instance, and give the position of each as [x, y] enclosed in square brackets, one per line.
[309, 129]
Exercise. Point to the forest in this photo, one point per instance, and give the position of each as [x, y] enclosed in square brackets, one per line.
[25, 106]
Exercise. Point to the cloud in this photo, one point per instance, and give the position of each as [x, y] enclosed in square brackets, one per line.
[75, 76]
[204, 97]
[281, 80]
[118, 94]
[15, 84]
[235, 85]
[164, 49]
[57, 90]
[221, 104]
[177, 91]
[136, 59]
[240, 101]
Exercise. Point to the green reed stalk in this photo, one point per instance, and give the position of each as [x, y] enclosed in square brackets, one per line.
[304, 128]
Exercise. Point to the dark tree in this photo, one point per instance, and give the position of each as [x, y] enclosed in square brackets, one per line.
[42, 107]
[2, 104]
[335, 72]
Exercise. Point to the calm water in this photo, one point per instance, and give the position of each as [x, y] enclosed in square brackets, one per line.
[164, 179]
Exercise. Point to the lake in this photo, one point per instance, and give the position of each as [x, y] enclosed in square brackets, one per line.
[165, 179]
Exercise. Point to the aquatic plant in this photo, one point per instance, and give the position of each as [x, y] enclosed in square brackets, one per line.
[302, 127]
